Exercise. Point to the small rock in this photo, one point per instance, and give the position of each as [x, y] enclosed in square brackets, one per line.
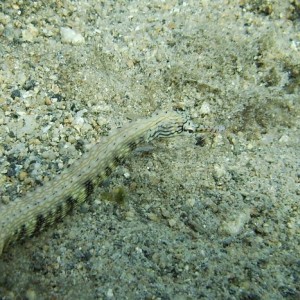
[205, 109]
[15, 94]
[172, 222]
[23, 175]
[30, 33]
[31, 294]
[109, 293]
[284, 139]
[191, 202]
[70, 36]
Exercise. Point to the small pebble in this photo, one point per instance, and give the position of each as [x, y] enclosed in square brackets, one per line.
[48, 101]
[109, 293]
[172, 222]
[70, 36]
[205, 109]
[30, 33]
[23, 175]
[284, 139]
[191, 202]
[30, 294]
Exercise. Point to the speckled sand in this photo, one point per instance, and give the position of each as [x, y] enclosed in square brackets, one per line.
[218, 219]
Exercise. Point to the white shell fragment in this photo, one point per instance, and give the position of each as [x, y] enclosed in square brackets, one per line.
[70, 36]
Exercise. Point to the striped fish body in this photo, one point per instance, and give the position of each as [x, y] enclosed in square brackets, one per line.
[49, 203]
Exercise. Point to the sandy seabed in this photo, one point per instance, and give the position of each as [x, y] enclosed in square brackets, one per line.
[202, 216]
